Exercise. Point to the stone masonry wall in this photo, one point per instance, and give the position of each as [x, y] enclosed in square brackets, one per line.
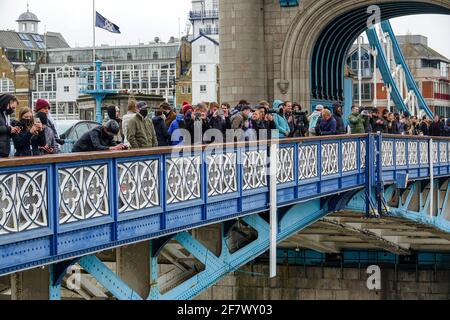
[317, 283]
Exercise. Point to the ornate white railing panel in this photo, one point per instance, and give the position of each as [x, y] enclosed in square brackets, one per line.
[443, 152]
[307, 162]
[388, 153]
[285, 169]
[330, 159]
[400, 153]
[222, 178]
[423, 152]
[254, 166]
[23, 201]
[183, 179]
[83, 193]
[349, 156]
[138, 185]
[413, 158]
[435, 152]
[362, 149]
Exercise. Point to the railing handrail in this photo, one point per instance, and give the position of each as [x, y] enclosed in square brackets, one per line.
[100, 155]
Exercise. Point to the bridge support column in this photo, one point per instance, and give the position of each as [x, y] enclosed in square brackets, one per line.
[133, 267]
[31, 284]
[242, 52]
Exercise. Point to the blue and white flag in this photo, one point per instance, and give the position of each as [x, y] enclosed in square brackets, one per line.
[102, 22]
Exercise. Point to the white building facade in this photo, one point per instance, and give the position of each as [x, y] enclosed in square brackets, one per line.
[205, 50]
[143, 69]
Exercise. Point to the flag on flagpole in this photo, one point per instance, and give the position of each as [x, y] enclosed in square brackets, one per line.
[104, 23]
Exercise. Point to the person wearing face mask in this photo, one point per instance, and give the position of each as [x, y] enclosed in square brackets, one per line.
[8, 103]
[29, 131]
[100, 138]
[141, 132]
[45, 143]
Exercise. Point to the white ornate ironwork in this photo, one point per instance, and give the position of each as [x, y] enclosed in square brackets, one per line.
[443, 152]
[388, 153]
[413, 156]
[362, 148]
[23, 201]
[285, 169]
[138, 185]
[423, 152]
[221, 174]
[349, 156]
[183, 179]
[307, 158]
[435, 152]
[400, 153]
[83, 193]
[254, 164]
[330, 163]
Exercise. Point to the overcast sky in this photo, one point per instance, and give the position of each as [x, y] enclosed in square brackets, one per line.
[143, 20]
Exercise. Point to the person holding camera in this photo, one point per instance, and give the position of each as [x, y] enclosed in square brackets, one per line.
[200, 124]
[29, 129]
[141, 132]
[356, 121]
[45, 141]
[301, 123]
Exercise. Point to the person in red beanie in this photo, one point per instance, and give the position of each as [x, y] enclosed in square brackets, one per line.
[43, 106]
[186, 108]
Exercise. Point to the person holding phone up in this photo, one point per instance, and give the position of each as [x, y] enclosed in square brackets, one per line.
[29, 130]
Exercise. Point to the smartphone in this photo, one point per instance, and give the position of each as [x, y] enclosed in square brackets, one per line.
[37, 121]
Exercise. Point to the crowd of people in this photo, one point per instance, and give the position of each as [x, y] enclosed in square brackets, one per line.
[204, 123]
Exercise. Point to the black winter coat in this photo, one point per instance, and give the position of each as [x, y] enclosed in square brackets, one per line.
[161, 132]
[94, 140]
[340, 128]
[5, 129]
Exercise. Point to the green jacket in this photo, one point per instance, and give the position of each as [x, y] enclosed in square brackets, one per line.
[141, 133]
[356, 123]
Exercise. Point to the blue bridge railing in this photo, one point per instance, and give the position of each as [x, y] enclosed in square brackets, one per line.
[62, 206]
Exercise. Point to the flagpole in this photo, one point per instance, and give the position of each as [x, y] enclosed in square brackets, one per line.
[93, 31]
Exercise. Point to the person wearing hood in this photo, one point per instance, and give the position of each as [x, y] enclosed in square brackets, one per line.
[141, 132]
[8, 103]
[168, 113]
[132, 110]
[337, 114]
[114, 114]
[162, 135]
[180, 123]
[29, 131]
[281, 123]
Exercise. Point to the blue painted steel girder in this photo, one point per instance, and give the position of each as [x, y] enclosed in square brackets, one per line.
[334, 42]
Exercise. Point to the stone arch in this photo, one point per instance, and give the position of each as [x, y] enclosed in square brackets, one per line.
[300, 41]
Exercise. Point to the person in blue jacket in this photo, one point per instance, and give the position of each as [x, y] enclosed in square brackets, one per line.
[327, 125]
[280, 122]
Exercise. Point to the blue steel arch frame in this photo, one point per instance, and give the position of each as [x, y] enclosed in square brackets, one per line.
[333, 43]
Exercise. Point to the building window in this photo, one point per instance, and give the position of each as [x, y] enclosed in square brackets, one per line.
[366, 91]
[202, 68]
[155, 55]
[203, 88]
[66, 89]
[24, 27]
[69, 59]
[129, 56]
[202, 49]
[6, 85]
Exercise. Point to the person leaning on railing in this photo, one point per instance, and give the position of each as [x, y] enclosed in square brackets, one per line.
[100, 138]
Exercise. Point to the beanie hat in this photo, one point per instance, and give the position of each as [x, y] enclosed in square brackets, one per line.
[184, 103]
[43, 117]
[41, 104]
[142, 105]
[186, 108]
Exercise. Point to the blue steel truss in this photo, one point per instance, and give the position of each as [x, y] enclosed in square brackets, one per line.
[383, 66]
